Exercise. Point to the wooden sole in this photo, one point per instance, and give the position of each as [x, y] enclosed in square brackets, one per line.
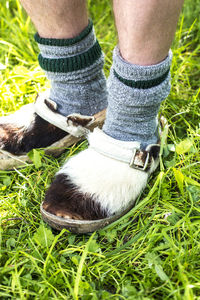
[81, 226]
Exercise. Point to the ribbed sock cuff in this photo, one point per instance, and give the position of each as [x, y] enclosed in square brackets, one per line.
[69, 55]
[73, 63]
[140, 77]
[64, 42]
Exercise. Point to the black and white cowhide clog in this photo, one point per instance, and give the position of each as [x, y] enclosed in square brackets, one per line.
[98, 185]
[39, 125]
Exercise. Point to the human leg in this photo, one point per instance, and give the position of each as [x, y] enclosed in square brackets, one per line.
[146, 29]
[63, 19]
[73, 61]
[99, 181]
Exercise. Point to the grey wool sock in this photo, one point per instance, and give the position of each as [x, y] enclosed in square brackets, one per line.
[135, 94]
[75, 69]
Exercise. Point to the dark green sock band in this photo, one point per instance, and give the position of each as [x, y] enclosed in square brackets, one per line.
[73, 63]
[143, 84]
[64, 42]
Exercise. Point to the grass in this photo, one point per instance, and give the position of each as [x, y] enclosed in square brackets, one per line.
[154, 251]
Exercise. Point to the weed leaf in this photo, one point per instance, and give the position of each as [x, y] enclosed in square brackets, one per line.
[94, 246]
[11, 242]
[154, 262]
[191, 181]
[35, 156]
[43, 237]
[5, 180]
[179, 179]
[161, 273]
[184, 146]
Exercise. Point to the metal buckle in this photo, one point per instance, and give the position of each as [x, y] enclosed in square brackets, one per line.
[144, 165]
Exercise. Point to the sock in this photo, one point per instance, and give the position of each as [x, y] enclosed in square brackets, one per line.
[135, 94]
[75, 69]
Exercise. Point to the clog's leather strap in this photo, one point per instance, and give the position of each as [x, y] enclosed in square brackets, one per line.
[127, 152]
[74, 124]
